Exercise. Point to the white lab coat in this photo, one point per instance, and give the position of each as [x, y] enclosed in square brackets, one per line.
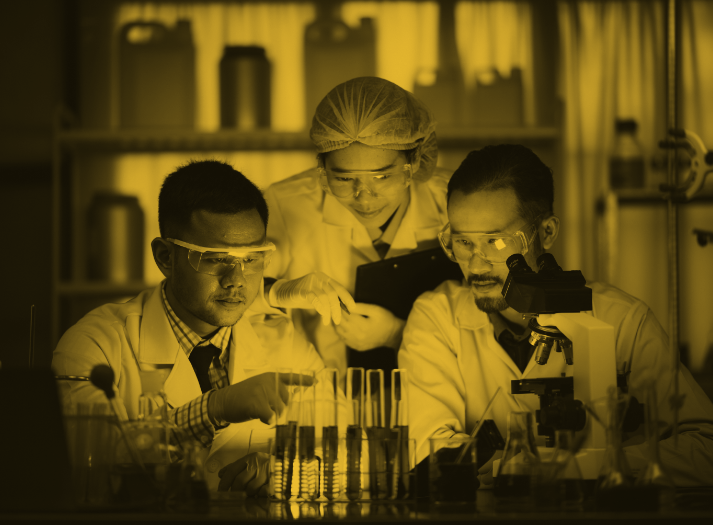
[314, 232]
[136, 335]
[455, 365]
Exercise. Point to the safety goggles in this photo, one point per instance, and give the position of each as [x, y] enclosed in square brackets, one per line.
[378, 183]
[219, 261]
[491, 247]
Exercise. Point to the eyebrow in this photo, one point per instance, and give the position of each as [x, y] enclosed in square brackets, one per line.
[377, 170]
[484, 233]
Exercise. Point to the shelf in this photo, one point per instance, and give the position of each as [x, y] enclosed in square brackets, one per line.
[154, 140]
[102, 288]
[654, 196]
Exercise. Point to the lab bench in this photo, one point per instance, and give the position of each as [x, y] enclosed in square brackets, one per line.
[693, 506]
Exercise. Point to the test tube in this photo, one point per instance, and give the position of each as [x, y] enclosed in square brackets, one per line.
[399, 482]
[309, 469]
[355, 423]
[285, 441]
[329, 381]
[377, 433]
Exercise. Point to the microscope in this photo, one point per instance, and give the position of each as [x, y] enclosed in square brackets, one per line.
[586, 345]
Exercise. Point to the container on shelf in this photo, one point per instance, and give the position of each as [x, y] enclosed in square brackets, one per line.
[335, 53]
[626, 164]
[157, 75]
[244, 88]
[115, 238]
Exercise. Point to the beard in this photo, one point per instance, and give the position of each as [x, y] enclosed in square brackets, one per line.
[491, 305]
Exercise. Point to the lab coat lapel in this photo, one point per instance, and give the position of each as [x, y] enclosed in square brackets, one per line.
[421, 221]
[471, 318]
[343, 229]
[246, 352]
[158, 346]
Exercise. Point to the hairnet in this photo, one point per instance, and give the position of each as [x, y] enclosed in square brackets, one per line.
[376, 112]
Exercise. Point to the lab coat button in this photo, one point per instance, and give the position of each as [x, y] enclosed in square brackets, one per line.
[213, 466]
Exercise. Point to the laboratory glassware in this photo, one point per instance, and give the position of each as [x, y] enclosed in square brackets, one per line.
[329, 381]
[309, 466]
[520, 456]
[285, 442]
[355, 424]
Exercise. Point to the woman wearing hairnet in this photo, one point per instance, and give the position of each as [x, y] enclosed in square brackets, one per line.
[375, 194]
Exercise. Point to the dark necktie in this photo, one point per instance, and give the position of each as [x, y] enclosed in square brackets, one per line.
[519, 351]
[201, 357]
[381, 248]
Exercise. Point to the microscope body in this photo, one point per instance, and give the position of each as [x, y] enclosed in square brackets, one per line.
[555, 301]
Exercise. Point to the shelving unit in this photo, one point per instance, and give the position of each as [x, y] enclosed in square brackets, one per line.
[144, 140]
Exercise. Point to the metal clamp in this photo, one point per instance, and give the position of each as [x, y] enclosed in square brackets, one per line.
[701, 163]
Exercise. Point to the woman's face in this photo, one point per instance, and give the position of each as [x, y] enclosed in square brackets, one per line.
[371, 205]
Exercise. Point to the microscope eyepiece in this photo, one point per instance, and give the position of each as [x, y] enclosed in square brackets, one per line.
[547, 263]
[517, 264]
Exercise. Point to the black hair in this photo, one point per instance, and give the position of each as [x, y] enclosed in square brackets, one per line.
[508, 166]
[209, 185]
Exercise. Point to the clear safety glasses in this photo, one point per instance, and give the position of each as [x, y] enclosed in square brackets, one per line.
[219, 261]
[351, 183]
[491, 247]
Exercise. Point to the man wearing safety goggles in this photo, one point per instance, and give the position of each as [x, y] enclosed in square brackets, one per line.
[208, 323]
[462, 341]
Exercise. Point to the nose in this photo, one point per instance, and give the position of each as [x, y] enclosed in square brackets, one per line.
[477, 265]
[234, 278]
[361, 188]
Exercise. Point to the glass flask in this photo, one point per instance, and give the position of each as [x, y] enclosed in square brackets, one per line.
[654, 474]
[615, 472]
[567, 474]
[520, 457]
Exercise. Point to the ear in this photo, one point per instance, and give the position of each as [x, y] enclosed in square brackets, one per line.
[163, 251]
[548, 231]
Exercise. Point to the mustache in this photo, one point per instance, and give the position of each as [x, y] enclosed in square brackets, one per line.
[484, 279]
[231, 298]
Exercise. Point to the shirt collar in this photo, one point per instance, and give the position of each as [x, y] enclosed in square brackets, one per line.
[500, 325]
[188, 338]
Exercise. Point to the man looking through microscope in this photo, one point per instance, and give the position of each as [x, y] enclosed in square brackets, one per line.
[463, 342]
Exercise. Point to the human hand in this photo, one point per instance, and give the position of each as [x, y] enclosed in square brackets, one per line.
[370, 326]
[315, 290]
[254, 398]
[250, 473]
[485, 472]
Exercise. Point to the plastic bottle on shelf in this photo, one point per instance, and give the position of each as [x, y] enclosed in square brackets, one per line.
[335, 53]
[157, 75]
[115, 247]
[626, 164]
[244, 88]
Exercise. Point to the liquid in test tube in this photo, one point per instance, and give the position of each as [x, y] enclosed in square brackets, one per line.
[355, 423]
[285, 441]
[329, 381]
[309, 467]
[399, 483]
[377, 433]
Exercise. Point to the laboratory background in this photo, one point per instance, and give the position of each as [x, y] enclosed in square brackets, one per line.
[102, 99]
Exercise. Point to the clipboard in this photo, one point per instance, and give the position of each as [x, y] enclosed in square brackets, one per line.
[397, 282]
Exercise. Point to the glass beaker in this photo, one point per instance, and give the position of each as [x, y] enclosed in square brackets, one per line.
[453, 471]
[558, 483]
[513, 484]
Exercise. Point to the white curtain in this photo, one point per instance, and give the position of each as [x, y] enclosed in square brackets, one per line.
[696, 114]
[611, 66]
[406, 37]
[496, 36]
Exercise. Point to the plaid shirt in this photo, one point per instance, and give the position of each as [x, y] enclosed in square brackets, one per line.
[193, 416]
